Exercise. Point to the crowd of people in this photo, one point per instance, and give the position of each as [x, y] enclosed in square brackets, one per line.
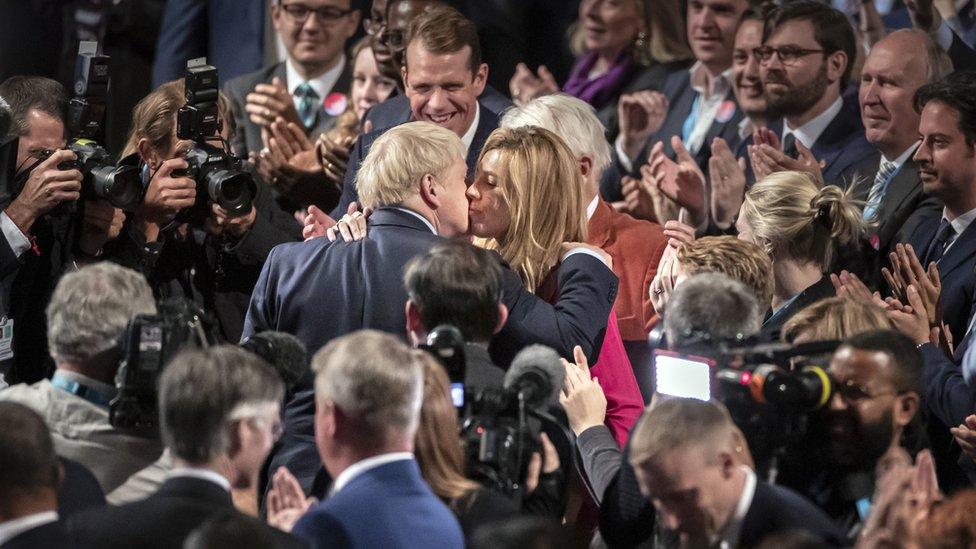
[419, 281]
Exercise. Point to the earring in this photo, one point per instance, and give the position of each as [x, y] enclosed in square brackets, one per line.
[641, 40]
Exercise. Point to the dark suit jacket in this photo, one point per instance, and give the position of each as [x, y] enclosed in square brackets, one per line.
[387, 506]
[49, 536]
[79, 490]
[163, 520]
[957, 268]
[487, 123]
[774, 322]
[681, 99]
[230, 33]
[321, 290]
[247, 137]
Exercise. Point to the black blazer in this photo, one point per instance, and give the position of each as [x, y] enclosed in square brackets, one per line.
[774, 322]
[247, 138]
[163, 520]
[49, 536]
[487, 123]
[320, 290]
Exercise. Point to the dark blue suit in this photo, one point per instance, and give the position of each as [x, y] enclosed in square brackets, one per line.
[386, 506]
[957, 268]
[487, 123]
[321, 290]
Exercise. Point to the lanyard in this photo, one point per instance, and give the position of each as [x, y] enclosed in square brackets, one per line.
[94, 396]
[692, 120]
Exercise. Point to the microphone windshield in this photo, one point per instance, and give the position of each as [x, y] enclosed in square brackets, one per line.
[538, 372]
[285, 352]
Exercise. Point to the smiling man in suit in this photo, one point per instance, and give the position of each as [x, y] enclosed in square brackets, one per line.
[301, 88]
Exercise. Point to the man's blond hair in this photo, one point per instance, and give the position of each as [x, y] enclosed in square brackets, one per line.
[739, 260]
[676, 423]
[401, 157]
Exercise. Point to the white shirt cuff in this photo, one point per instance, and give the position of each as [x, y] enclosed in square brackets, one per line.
[586, 251]
[18, 241]
[943, 35]
[626, 162]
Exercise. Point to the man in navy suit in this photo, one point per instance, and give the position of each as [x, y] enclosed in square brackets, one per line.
[806, 62]
[414, 178]
[369, 386]
[443, 78]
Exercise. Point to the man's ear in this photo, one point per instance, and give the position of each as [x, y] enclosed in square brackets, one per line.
[430, 192]
[502, 317]
[727, 463]
[586, 166]
[905, 408]
[480, 79]
[836, 65]
[415, 327]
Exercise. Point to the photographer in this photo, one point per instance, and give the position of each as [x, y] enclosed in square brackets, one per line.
[89, 310]
[215, 262]
[38, 236]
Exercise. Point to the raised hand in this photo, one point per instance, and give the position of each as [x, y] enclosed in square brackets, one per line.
[167, 193]
[687, 187]
[581, 396]
[906, 269]
[268, 102]
[766, 160]
[316, 223]
[101, 222]
[641, 114]
[728, 179]
[526, 86]
[286, 501]
[637, 201]
[848, 285]
[678, 233]
[352, 226]
[46, 187]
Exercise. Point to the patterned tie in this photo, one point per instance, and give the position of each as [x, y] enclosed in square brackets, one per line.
[877, 189]
[789, 146]
[938, 246]
[307, 103]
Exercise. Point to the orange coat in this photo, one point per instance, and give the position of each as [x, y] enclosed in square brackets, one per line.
[636, 247]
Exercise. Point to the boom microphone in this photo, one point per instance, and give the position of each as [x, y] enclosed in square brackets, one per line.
[538, 375]
[284, 352]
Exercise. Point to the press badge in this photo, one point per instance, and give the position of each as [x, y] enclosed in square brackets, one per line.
[6, 338]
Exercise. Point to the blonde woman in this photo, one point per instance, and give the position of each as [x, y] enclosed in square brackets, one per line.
[799, 224]
[526, 201]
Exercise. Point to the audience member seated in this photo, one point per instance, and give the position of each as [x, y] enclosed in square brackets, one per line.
[458, 285]
[626, 47]
[218, 412]
[684, 455]
[799, 224]
[368, 390]
[29, 479]
[833, 318]
[89, 312]
[305, 88]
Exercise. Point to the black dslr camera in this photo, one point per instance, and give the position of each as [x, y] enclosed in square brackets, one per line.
[146, 347]
[218, 174]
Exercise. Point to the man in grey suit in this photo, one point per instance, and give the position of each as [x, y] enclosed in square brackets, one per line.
[308, 88]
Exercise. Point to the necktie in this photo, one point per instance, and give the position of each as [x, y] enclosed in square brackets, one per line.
[877, 189]
[307, 103]
[789, 146]
[938, 245]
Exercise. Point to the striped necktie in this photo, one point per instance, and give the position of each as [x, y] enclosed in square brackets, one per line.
[878, 188]
[307, 104]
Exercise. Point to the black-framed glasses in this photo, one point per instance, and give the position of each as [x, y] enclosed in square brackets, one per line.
[298, 13]
[854, 393]
[394, 39]
[787, 55]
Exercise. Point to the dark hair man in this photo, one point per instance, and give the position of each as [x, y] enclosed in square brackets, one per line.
[29, 479]
[219, 417]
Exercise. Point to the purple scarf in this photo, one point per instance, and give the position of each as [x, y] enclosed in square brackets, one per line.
[603, 89]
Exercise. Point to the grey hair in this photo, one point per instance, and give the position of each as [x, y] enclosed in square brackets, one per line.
[375, 379]
[91, 307]
[938, 64]
[710, 304]
[572, 119]
[198, 392]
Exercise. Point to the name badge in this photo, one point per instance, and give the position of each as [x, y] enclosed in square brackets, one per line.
[6, 338]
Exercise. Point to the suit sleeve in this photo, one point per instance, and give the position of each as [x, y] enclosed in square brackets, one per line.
[600, 458]
[945, 390]
[587, 289]
[650, 314]
[322, 531]
[349, 192]
[963, 57]
[262, 311]
[626, 517]
[182, 36]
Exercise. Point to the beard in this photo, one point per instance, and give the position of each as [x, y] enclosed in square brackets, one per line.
[860, 445]
[797, 100]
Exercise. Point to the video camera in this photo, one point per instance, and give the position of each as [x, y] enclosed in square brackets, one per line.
[218, 174]
[146, 347]
[772, 390]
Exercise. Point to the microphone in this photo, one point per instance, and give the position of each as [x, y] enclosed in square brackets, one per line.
[536, 373]
[283, 351]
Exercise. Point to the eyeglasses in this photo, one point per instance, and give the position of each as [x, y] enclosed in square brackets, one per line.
[395, 39]
[853, 394]
[298, 13]
[787, 55]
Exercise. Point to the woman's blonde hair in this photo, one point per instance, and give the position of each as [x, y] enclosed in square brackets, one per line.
[437, 446]
[542, 185]
[665, 40]
[835, 318]
[154, 117]
[789, 212]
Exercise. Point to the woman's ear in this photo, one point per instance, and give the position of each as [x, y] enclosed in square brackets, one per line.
[147, 153]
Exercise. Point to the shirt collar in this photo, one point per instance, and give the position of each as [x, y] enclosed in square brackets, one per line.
[746, 128]
[721, 84]
[961, 223]
[810, 132]
[468, 136]
[728, 536]
[322, 84]
[591, 207]
[13, 528]
[103, 388]
[420, 217]
[362, 466]
[202, 474]
[900, 161]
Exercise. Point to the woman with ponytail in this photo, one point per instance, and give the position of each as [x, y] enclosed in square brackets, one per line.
[800, 225]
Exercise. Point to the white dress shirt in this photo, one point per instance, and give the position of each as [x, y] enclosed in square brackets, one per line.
[728, 536]
[322, 85]
[19, 243]
[361, 467]
[420, 217]
[13, 528]
[959, 225]
[202, 474]
[811, 131]
[712, 97]
[468, 136]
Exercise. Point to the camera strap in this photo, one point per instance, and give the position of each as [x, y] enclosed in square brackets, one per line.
[90, 394]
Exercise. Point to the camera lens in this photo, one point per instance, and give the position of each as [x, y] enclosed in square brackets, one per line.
[121, 185]
[231, 189]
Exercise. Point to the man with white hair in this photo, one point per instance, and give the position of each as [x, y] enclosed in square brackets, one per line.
[636, 246]
[414, 179]
[368, 388]
[89, 310]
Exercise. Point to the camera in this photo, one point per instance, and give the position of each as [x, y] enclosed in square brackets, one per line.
[145, 348]
[218, 174]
